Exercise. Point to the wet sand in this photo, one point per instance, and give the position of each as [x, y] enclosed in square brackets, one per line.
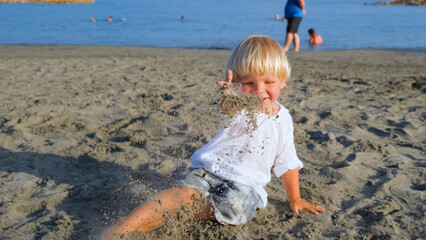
[89, 133]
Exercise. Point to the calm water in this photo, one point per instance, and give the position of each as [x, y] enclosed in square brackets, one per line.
[344, 24]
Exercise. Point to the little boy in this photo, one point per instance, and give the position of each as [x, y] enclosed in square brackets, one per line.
[226, 181]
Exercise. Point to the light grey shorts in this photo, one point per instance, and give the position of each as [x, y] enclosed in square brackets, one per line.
[233, 203]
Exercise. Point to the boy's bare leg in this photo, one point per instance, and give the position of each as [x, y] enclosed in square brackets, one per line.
[296, 40]
[152, 215]
[288, 41]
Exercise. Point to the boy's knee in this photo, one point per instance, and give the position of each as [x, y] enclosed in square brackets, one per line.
[185, 195]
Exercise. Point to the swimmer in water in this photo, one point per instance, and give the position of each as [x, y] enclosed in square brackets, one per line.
[315, 38]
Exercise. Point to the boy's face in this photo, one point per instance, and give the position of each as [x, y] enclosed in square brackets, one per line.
[267, 87]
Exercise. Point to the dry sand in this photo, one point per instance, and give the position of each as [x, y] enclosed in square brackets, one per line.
[88, 133]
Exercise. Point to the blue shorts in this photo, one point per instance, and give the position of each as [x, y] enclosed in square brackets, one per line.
[233, 203]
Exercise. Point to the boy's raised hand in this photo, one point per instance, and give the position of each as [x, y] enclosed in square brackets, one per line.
[226, 85]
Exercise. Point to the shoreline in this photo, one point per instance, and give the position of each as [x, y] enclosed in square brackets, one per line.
[99, 51]
[121, 49]
[88, 133]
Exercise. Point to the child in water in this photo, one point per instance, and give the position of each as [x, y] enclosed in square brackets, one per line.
[226, 181]
[315, 38]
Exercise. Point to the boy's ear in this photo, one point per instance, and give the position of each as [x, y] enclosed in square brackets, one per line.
[283, 85]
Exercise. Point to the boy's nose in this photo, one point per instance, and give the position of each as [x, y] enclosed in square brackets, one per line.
[259, 89]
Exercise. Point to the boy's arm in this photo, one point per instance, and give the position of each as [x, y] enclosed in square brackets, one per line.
[291, 185]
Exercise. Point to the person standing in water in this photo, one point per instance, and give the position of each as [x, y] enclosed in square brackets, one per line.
[294, 11]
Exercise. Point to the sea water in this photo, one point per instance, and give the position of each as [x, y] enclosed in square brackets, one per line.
[217, 24]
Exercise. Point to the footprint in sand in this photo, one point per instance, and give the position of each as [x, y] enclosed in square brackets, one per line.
[344, 141]
[167, 97]
[344, 163]
[325, 115]
[378, 132]
[173, 112]
[319, 136]
[418, 187]
[302, 120]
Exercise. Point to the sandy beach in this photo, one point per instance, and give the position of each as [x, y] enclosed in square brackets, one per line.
[89, 133]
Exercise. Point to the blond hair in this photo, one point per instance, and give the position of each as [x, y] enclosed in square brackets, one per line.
[259, 55]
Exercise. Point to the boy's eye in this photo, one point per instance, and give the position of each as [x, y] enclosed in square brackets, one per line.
[246, 83]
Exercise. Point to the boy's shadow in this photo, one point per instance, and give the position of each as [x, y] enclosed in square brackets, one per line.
[78, 197]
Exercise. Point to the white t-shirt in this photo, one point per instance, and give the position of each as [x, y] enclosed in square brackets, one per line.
[247, 157]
